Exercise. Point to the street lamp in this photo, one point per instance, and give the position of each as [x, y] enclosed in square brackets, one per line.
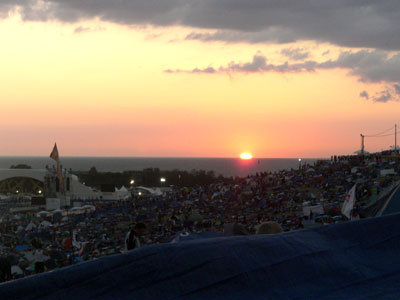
[40, 192]
[299, 163]
[132, 181]
[162, 179]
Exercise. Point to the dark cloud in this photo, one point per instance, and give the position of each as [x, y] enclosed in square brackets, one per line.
[276, 35]
[295, 53]
[397, 88]
[369, 66]
[350, 23]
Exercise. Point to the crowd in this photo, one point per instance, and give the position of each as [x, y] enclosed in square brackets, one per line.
[31, 243]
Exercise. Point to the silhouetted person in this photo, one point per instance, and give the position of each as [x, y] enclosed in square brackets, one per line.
[5, 269]
[132, 240]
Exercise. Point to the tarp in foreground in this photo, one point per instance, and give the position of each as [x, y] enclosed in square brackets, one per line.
[354, 260]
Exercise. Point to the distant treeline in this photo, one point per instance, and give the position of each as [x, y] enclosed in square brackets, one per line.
[20, 166]
[150, 177]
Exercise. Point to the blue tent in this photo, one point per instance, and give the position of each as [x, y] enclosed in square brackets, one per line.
[351, 260]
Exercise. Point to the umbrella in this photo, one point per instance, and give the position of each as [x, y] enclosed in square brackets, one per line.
[30, 226]
[323, 216]
[16, 270]
[45, 224]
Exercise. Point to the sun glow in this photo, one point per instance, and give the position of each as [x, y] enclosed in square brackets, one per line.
[246, 156]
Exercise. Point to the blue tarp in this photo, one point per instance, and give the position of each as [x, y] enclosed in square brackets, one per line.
[353, 260]
[186, 236]
[393, 204]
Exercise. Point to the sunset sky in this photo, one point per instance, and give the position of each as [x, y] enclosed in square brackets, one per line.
[198, 78]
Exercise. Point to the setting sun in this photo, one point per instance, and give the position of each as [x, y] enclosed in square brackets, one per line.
[246, 155]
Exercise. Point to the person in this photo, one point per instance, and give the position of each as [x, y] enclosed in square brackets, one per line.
[5, 269]
[39, 256]
[132, 240]
[269, 228]
[235, 229]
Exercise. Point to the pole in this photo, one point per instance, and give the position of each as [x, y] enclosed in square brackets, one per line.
[362, 144]
[395, 138]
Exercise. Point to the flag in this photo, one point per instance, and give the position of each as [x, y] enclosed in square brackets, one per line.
[54, 153]
[349, 202]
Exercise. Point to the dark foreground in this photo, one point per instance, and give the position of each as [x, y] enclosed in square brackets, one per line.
[352, 260]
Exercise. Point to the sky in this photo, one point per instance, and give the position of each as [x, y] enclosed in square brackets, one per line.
[198, 78]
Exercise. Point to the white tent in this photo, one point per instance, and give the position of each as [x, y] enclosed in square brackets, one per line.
[152, 191]
[359, 152]
[123, 189]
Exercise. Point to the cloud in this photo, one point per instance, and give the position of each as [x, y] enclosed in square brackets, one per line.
[348, 23]
[81, 29]
[205, 70]
[296, 53]
[364, 94]
[208, 70]
[383, 96]
[368, 66]
[259, 65]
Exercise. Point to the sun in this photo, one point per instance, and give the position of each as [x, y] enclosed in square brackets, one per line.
[246, 156]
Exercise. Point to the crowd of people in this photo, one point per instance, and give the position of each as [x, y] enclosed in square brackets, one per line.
[261, 203]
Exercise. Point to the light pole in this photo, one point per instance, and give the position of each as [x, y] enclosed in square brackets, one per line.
[299, 163]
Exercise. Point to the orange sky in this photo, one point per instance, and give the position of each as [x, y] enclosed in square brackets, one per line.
[104, 92]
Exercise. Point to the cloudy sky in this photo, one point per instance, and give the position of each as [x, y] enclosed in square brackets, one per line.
[277, 78]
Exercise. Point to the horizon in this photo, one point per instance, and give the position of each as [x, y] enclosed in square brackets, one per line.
[192, 157]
